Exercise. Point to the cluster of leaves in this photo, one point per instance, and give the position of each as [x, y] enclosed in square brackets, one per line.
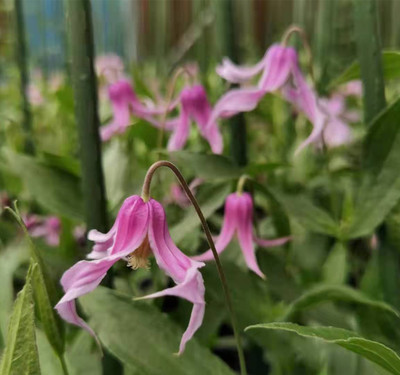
[329, 283]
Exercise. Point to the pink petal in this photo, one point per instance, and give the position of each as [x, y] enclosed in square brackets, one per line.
[181, 132]
[228, 229]
[337, 133]
[168, 257]
[181, 268]
[239, 74]
[235, 101]
[272, 243]
[245, 232]
[279, 65]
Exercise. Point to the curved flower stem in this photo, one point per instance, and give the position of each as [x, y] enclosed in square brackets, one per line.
[296, 29]
[193, 200]
[171, 91]
[241, 183]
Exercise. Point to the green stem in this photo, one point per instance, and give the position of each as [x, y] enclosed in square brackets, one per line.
[237, 124]
[22, 61]
[63, 365]
[193, 200]
[370, 57]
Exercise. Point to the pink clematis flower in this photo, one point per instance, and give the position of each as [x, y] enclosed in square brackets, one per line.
[194, 105]
[125, 102]
[48, 228]
[277, 64]
[238, 219]
[139, 230]
[352, 88]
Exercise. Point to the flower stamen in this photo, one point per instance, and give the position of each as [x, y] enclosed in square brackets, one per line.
[139, 257]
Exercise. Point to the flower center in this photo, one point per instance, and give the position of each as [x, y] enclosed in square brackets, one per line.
[139, 257]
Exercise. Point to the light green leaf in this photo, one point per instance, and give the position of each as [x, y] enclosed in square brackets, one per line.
[210, 198]
[145, 339]
[371, 350]
[340, 293]
[45, 294]
[207, 166]
[55, 189]
[391, 69]
[336, 266]
[21, 355]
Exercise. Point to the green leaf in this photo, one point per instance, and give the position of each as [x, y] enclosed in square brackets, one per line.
[340, 293]
[380, 190]
[21, 355]
[307, 213]
[391, 69]
[371, 350]
[45, 293]
[10, 258]
[336, 266]
[55, 189]
[210, 198]
[143, 338]
[207, 166]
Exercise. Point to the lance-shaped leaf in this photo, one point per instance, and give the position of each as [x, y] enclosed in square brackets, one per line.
[45, 294]
[20, 355]
[371, 350]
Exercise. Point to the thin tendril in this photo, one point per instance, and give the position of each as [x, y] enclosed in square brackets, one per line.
[193, 200]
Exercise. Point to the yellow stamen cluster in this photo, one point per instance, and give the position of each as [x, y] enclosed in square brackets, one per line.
[139, 257]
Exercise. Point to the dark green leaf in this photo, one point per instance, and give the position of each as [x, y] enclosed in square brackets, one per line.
[340, 293]
[143, 338]
[371, 350]
[207, 166]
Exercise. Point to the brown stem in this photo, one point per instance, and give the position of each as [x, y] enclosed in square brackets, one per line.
[193, 200]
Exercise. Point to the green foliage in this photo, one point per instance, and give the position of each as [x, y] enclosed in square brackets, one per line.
[391, 69]
[21, 355]
[372, 350]
[144, 339]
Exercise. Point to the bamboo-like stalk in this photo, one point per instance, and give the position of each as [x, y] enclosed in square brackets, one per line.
[85, 97]
[370, 57]
[237, 124]
[81, 49]
[324, 41]
[22, 62]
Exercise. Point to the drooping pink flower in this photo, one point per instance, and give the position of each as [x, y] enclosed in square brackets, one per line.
[195, 106]
[139, 230]
[48, 228]
[125, 102]
[276, 65]
[238, 219]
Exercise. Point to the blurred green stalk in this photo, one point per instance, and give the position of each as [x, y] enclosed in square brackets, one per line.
[84, 85]
[81, 49]
[370, 57]
[22, 62]
[237, 124]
